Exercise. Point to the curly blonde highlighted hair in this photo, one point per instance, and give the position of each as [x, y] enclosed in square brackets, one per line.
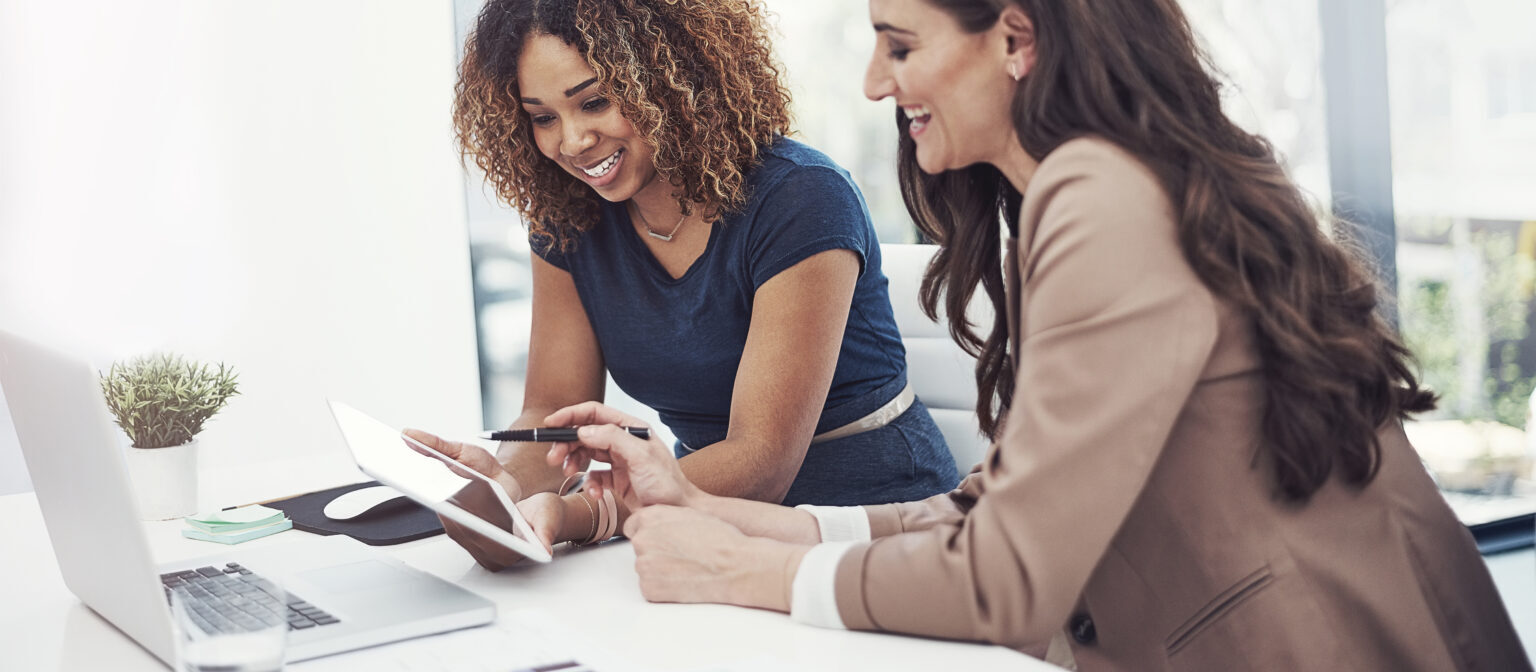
[696, 78]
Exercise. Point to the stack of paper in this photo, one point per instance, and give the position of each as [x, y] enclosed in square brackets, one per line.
[232, 526]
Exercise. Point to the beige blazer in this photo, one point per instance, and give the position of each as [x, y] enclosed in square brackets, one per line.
[1126, 501]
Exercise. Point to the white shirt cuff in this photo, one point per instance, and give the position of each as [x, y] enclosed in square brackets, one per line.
[813, 598]
[840, 523]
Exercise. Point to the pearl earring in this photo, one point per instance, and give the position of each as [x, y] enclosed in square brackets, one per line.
[1013, 71]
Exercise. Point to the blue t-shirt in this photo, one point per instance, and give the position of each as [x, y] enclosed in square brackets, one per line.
[675, 344]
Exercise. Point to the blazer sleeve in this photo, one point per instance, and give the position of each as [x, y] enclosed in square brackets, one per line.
[945, 509]
[1115, 329]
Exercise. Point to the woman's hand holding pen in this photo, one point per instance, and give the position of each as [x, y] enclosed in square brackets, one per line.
[681, 553]
[644, 471]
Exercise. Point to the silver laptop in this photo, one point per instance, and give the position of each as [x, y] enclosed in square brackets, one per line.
[355, 596]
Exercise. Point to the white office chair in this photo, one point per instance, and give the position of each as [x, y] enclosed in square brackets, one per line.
[942, 374]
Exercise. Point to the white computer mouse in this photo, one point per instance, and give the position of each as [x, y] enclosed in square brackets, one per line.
[349, 505]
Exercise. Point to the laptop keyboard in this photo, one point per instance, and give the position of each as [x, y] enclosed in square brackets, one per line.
[235, 599]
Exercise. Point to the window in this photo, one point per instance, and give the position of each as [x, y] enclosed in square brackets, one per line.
[1462, 171]
[1511, 83]
[503, 281]
[825, 47]
[1268, 58]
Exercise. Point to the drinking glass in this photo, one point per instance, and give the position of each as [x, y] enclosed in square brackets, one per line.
[247, 632]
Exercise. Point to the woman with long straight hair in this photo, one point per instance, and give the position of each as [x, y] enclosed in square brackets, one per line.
[1198, 459]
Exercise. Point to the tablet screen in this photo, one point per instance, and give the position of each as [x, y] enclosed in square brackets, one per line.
[436, 481]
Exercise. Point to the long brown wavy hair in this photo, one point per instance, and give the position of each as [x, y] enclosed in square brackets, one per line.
[1130, 71]
[696, 79]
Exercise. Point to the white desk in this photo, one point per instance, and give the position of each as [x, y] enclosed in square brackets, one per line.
[591, 593]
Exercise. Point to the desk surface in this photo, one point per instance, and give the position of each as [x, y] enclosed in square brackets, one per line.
[590, 593]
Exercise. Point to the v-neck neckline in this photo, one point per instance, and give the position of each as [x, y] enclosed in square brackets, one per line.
[637, 246]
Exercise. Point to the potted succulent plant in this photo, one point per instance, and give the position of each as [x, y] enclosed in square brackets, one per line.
[161, 402]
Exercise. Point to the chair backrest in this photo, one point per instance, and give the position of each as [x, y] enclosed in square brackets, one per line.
[942, 374]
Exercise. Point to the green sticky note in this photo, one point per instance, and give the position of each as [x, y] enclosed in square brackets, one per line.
[231, 520]
[235, 537]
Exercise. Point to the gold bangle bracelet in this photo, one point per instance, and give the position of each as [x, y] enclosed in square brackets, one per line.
[583, 497]
[570, 483]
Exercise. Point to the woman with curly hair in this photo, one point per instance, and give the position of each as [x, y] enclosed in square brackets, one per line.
[725, 275]
[1202, 464]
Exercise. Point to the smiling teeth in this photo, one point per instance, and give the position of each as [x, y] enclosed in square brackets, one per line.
[915, 112]
[602, 169]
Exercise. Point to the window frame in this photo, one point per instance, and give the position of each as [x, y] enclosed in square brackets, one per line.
[1354, 63]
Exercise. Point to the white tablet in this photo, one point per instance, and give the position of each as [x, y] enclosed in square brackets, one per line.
[436, 481]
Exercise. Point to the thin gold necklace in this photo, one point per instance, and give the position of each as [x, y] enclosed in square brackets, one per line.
[665, 238]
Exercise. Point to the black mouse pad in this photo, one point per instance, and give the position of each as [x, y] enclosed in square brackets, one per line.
[394, 522]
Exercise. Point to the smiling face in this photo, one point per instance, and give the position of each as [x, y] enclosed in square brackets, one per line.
[953, 85]
[577, 126]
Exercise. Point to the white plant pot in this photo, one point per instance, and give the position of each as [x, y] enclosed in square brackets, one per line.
[164, 480]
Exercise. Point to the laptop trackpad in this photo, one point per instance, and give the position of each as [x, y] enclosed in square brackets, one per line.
[365, 575]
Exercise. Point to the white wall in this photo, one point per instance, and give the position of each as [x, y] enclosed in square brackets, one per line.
[269, 184]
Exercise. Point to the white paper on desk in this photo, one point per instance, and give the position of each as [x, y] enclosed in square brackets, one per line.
[759, 664]
[517, 640]
[237, 516]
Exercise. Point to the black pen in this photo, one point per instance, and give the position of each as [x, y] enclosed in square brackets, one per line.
[541, 434]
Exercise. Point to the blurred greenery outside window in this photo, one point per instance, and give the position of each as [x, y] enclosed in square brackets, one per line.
[1462, 77]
